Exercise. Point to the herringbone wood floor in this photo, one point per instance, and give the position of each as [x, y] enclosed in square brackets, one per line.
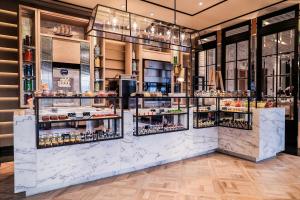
[215, 176]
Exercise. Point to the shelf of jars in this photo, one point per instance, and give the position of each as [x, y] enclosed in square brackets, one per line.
[70, 120]
[99, 78]
[28, 55]
[171, 116]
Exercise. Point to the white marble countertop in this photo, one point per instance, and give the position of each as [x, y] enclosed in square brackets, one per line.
[40, 170]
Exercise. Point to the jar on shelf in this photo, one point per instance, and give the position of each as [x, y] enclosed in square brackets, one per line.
[27, 41]
[28, 70]
[97, 50]
[28, 84]
[97, 62]
[28, 55]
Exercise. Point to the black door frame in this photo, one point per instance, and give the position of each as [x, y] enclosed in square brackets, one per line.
[239, 37]
[290, 24]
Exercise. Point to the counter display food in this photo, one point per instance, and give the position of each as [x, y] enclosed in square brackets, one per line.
[79, 122]
[172, 116]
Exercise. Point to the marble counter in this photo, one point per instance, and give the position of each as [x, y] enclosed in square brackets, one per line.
[41, 170]
[264, 141]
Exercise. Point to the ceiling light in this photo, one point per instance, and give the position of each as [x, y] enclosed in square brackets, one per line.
[123, 6]
[200, 3]
[151, 14]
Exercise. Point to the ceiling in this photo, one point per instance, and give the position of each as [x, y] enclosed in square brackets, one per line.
[204, 15]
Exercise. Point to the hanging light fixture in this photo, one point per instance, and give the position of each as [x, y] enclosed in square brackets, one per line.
[122, 25]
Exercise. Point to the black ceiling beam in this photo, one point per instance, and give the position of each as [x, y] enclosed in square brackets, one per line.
[182, 12]
[60, 7]
[243, 15]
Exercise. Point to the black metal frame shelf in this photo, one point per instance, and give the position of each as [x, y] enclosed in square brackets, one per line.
[136, 115]
[113, 135]
[218, 111]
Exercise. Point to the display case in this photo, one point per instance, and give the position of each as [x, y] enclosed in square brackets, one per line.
[232, 112]
[72, 120]
[172, 115]
[235, 112]
[205, 112]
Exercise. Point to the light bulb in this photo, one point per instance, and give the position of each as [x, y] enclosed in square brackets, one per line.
[114, 21]
[152, 29]
[182, 36]
[134, 25]
[169, 33]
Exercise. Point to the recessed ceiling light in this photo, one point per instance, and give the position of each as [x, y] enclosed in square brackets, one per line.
[151, 14]
[200, 3]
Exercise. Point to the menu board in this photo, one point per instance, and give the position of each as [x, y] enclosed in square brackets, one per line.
[66, 79]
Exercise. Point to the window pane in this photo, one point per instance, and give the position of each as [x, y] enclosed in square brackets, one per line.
[202, 58]
[269, 45]
[286, 41]
[269, 86]
[230, 70]
[269, 65]
[242, 69]
[210, 70]
[229, 85]
[230, 52]
[242, 84]
[242, 50]
[202, 71]
[211, 57]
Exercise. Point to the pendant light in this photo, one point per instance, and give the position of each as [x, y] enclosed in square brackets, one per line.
[115, 24]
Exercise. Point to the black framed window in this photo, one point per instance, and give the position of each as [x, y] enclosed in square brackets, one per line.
[277, 66]
[236, 57]
[206, 62]
[277, 56]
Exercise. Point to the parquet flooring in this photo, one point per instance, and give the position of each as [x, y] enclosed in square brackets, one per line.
[211, 177]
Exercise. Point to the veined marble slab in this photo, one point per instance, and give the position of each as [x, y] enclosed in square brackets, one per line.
[265, 140]
[59, 167]
[43, 170]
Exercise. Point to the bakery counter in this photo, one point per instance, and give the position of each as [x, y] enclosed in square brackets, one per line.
[45, 169]
[263, 141]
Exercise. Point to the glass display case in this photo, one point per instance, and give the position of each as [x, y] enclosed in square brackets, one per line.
[172, 115]
[70, 120]
[205, 112]
[235, 112]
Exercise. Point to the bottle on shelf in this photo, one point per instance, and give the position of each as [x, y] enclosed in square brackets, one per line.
[28, 55]
[28, 70]
[28, 84]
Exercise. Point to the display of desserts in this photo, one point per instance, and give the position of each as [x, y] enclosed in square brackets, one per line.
[218, 93]
[80, 113]
[160, 111]
[75, 137]
[61, 93]
[159, 128]
[234, 123]
[204, 123]
[211, 108]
